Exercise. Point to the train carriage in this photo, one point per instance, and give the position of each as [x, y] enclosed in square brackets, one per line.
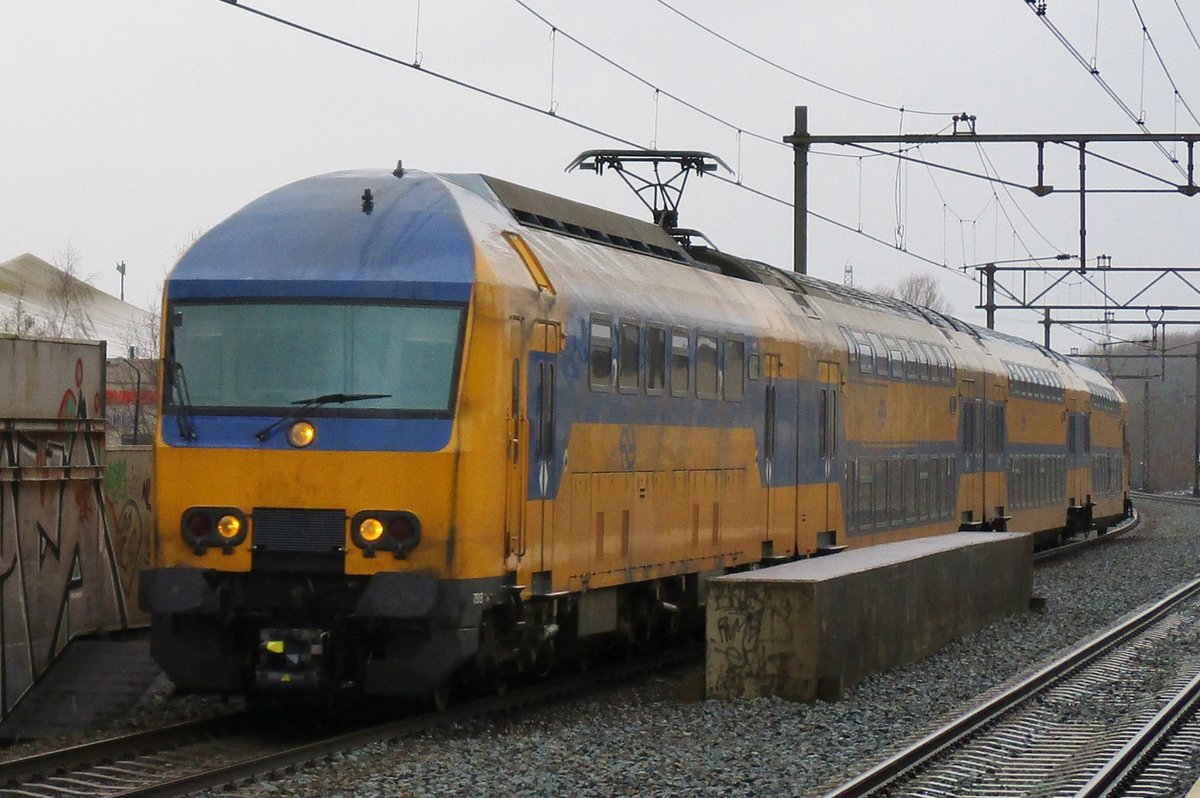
[422, 428]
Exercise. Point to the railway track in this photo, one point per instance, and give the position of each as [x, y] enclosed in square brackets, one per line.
[1165, 497]
[1102, 720]
[1088, 541]
[233, 749]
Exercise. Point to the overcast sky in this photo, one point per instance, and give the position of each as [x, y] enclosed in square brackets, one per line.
[130, 127]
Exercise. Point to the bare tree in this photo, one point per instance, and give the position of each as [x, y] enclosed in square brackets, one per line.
[19, 320]
[67, 294]
[919, 289]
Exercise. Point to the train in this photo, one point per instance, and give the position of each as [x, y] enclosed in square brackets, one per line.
[426, 431]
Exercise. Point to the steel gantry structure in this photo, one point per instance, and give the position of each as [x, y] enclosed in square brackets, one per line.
[1115, 310]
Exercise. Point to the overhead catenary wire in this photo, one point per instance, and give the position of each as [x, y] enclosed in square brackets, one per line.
[582, 126]
[793, 73]
[544, 113]
[1157, 54]
[1095, 73]
[1187, 24]
[647, 83]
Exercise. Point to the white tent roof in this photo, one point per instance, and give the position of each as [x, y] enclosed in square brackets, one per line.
[38, 299]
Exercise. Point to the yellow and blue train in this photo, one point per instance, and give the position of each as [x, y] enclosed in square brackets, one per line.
[421, 428]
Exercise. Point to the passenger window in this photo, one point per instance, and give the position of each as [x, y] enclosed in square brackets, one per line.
[707, 376]
[895, 358]
[601, 369]
[925, 361]
[950, 369]
[628, 365]
[681, 363]
[910, 359]
[866, 358]
[882, 366]
[735, 370]
[656, 359]
[851, 347]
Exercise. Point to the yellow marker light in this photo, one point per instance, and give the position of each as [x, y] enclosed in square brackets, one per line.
[370, 530]
[301, 434]
[275, 646]
[229, 527]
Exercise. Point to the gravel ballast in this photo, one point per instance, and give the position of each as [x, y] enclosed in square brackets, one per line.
[647, 739]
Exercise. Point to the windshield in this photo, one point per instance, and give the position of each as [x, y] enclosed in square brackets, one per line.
[271, 356]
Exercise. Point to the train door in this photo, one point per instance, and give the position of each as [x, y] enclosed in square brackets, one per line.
[516, 473]
[827, 419]
[542, 474]
[781, 499]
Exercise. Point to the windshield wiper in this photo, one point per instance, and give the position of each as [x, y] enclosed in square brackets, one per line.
[183, 401]
[316, 401]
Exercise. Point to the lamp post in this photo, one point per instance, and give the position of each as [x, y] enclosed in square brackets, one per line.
[121, 271]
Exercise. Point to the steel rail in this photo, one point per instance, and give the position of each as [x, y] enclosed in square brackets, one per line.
[931, 745]
[1077, 546]
[32, 775]
[1142, 746]
[517, 699]
[1162, 497]
[84, 754]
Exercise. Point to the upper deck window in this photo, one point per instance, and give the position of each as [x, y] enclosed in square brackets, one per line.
[681, 363]
[735, 369]
[600, 367]
[656, 359]
[708, 380]
[273, 356]
[628, 360]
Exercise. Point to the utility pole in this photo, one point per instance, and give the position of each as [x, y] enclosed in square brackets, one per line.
[1146, 435]
[989, 273]
[1196, 458]
[121, 269]
[800, 226]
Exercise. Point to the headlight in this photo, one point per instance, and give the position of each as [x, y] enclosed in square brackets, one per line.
[222, 527]
[370, 530]
[402, 527]
[301, 434]
[229, 527]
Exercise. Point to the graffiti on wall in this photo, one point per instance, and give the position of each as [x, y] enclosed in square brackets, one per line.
[61, 550]
[127, 496]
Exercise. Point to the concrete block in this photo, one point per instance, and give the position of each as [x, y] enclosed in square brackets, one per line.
[815, 628]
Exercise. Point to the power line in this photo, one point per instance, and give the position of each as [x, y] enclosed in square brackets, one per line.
[1186, 24]
[589, 128]
[630, 73]
[1039, 9]
[417, 68]
[988, 163]
[545, 113]
[805, 78]
[1163, 63]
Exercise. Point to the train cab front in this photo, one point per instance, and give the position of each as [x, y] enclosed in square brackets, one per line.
[307, 446]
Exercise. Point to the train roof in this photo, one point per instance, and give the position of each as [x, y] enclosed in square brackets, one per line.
[407, 235]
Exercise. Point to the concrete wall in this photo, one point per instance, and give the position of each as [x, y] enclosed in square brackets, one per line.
[813, 628]
[61, 568]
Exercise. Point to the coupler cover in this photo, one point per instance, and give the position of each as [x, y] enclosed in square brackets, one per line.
[290, 658]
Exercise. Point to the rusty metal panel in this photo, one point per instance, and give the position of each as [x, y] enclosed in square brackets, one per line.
[59, 569]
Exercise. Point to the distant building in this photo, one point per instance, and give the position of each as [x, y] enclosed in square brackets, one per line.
[39, 300]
